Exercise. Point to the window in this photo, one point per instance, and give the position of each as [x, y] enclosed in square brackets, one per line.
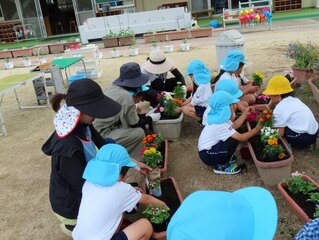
[9, 10]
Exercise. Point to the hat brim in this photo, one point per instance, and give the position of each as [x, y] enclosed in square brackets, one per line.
[222, 115]
[258, 198]
[101, 172]
[158, 68]
[132, 82]
[277, 91]
[103, 108]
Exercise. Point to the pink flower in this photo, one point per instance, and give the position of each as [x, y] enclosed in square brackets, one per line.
[296, 174]
[161, 109]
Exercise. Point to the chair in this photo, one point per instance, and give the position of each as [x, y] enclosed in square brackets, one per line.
[73, 27]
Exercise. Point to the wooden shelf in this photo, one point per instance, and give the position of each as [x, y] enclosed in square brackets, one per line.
[7, 33]
[287, 5]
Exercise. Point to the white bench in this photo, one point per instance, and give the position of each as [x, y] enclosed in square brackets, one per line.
[139, 22]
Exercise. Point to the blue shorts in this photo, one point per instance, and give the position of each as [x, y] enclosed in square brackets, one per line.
[300, 140]
[199, 111]
[119, 236]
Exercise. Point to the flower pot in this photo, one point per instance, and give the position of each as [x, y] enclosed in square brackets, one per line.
[155, 48]
[115, 53]
[5, 54]
[169, 48]
[125, 41]
[8, 65]
[171, 128]
[110, 42]
[156, 192]
[185, 47]
[56, 48]
[303, 216]
[133, 51]
[272, 173]
[172, 196]
[158, 37]
[178, 35]
[301, 75]
[201, 32]
[42, 60]
[27, 63]
[22, 52]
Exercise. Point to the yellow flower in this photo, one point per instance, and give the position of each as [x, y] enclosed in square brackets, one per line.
[152, 150]
[273, 141]
[147, 152]
[259, 74]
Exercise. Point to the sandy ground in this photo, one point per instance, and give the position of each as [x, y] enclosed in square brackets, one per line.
[25, 211]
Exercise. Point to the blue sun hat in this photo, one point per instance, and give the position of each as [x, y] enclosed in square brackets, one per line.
[231, 62]
[200, 72]
[229, 86]
[219, 104]
[246, 214]
[105, 168]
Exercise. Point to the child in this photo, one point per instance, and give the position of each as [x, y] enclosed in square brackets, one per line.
[219, 139]
[231, 68]
[196, 105]
[230, 87]
[293, 118]
[310, 231]
[217, 215]
[105, 198]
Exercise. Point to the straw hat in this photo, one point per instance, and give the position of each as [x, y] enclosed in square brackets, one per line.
[157, 63]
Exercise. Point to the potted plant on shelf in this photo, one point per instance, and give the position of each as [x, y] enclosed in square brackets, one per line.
[185, 46]
[8, 64]
[26, 61]
[158, 216]
[110, 40]
[159, 36]
[154, 45]
[305, 56]
[133, 50]
[125, 36]
[302, 194]
[168, 47]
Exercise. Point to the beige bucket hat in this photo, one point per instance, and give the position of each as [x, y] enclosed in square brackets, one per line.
[157, 63]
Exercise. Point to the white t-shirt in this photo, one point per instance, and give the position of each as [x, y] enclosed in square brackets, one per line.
[202, 94]
[293, 113]
[101, 210]
[204, 121]
[226, 75]
[212, 134]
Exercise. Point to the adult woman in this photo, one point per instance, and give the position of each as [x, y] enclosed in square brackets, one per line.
[73, 144]
[157, 67]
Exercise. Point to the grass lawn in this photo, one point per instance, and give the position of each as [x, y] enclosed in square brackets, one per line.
[277, 16]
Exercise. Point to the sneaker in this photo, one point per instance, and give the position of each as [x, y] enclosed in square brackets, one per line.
[229, 168]
[233, 159]
[67, 229]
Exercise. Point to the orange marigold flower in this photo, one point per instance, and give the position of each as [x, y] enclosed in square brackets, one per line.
[268, 116]
[281, 155]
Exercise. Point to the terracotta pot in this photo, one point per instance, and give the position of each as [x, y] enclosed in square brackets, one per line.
[5, 54]
[178, 35]
[125, 41]
[158, 37]
[272, 173]
[301, 75]
[297, 209]
[22, 52]
[56, 48]
[201, 32]
[162, 235]
[110, 42]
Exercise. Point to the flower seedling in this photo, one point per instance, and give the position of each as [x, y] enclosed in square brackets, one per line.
[269, 137]
[258, 78]
[151, 157]
[314, 197]
[153, 140]
[178, 91]
[156, 213]
[296, 184]
[266, 118]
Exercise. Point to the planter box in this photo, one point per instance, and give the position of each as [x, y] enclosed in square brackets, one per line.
[40, 50]
[125, 41]
[178, 35]
[22, 52]
[301, 75]
[56, 48]
[158, 37]
[201, 32]
[5, 54]
[164, 151]
[172, 196]
[272, 173]
[297, 209]
[110, 42]
[169, 128]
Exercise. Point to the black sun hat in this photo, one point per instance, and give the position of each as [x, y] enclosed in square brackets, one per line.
[87, 96]
[131, 76]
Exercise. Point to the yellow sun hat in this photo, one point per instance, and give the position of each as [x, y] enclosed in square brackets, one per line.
[278, 85]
